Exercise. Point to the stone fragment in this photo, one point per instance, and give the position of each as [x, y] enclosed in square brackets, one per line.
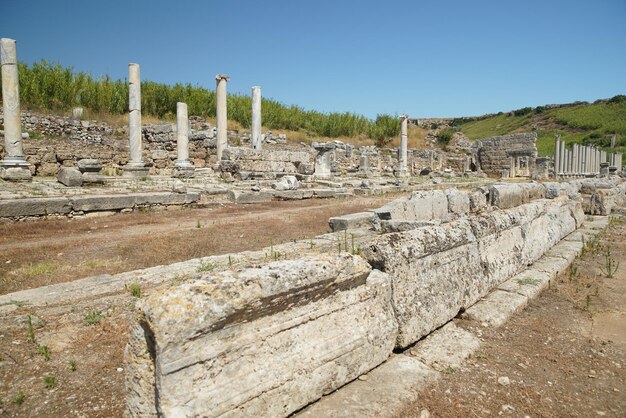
[286, 183]
[179, 187]
[70, 177]
[352, 221]
[458, 202]
[243, 197]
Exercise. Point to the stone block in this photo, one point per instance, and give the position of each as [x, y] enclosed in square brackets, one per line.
[458, 202]
[102, 202]
[293, 194]
[477, 200]
[447, 348]
[70, 177]
[34, 207]
[352, 221]
[496, 308]
[260, 342]
[286, 183]
[166, 198]
[244, 197]
[89, 165]
[93, 178]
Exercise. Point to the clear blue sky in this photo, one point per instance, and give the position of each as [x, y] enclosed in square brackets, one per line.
[424, 58]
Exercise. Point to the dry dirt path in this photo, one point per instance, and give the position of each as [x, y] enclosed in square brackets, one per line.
[35, 254]
[563, 356]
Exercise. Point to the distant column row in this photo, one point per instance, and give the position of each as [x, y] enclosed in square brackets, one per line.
[582, 160]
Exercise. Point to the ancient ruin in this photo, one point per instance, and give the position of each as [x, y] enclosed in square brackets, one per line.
[473, 231]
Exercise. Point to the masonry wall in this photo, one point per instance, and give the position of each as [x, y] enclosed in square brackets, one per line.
[267, 341]
[494, 153]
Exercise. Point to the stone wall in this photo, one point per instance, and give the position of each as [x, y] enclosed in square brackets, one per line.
[269, 340]
[495, 153]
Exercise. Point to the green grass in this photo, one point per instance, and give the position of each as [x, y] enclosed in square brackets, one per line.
[49, 381]
[497, 125]
[93, 317]
[46, 86]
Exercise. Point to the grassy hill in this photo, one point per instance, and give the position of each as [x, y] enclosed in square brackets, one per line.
[581, 122]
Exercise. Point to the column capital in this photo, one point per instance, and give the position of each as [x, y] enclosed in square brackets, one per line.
[222, 77]
[8, 53]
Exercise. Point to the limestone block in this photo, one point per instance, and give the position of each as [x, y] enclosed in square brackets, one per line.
[89, 165]
[243, 197]
[351, 221]
[458, 202]
[102, 202]
[247, 154]
[166, 198]
[477, 200]
[93, 178]
[259, 342]
[401, 226]
[435, 272]
[446, 348]
[286, 183]
[420, 206]
[602, 202]
[34, 207]
[293, 194]
[70, 177]
[47, 169]
[507, 196]
[496, 308]
[389, 388]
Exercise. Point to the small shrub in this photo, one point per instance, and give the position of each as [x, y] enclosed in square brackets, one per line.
[31, 331]
[134, 290]
[444, 136]
[72, 364]
[19, 398]
[49, 381]
[206, 266]
[93, 317]
[45, 352]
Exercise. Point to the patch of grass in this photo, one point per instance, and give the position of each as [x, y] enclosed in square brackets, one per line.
[35, 270]
[95, 264]
[19, 398]
[72, 364]
[18, 303]
[49, 381]
[31, 331]
[449, 370]
[45, 352]
[528, 281]
[93, 317]
[497, 125]
[134, 290]
[206, 266]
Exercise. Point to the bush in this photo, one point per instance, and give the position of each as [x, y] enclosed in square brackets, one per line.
[523, 111]
[445, 135]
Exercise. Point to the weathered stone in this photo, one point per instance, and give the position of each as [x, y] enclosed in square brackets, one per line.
[477, 200]
[92, 178]
[179, 187]
[221, 114]
[165, 198]
[34, 207]
[352, 221]
[261, 342]
[243, 197]
[102, 202]
[70, 177]
[293, 194]
[286, 183]
[421, 206]
[458, 202]
[446, 348]
[89, 165]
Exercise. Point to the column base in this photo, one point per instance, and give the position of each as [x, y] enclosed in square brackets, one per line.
[135, 170]
[15, 169]
[184, 171]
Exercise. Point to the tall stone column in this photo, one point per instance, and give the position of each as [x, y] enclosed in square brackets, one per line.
[557, 156]
[403, 157]
[221, 114]
[136, 166]
[562, 162]
[184, 168]
[14, 166]
[574, 158]
[257, 140]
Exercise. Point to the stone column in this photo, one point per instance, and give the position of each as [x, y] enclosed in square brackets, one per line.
[221, 114]
[14, 167]
[557, 157]
[403, 157]
[562, 153]
[364, 168]
[574, 159]
[256, 140]
[184, 168]
[136, 166]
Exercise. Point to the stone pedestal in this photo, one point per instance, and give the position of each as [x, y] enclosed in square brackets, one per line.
[135, 167]
[256, 139]
[604, 169]
[90, 169]
[14, 166]
[323, 159]
[364, 167]
[221, 116]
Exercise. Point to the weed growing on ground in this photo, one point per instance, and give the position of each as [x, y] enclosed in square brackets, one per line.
[49, 381]
[93, 317]
[610, 265]
[45, 352]
[72, 364]
[449, 370]
[31, 331]
[19, 398]
[134, 290]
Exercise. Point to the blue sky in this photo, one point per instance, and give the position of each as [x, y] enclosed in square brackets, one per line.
[423, 58]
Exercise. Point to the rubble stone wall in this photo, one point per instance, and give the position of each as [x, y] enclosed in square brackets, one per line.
[494, 153]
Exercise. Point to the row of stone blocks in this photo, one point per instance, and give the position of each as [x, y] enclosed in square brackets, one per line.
[17, 208]
[268, 341]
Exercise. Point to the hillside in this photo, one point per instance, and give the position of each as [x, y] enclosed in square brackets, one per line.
[579, 122]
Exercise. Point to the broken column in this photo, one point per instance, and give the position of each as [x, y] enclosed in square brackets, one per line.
[14, 166]
[574, 158]
[323, 159]
[184, 168]
[220, 114]
[136, 166]
[364, 168]
[403, 156]
[257, 140]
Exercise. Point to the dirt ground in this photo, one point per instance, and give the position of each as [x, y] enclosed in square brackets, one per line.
[34, 254]
[563, 356]
[69, 360]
